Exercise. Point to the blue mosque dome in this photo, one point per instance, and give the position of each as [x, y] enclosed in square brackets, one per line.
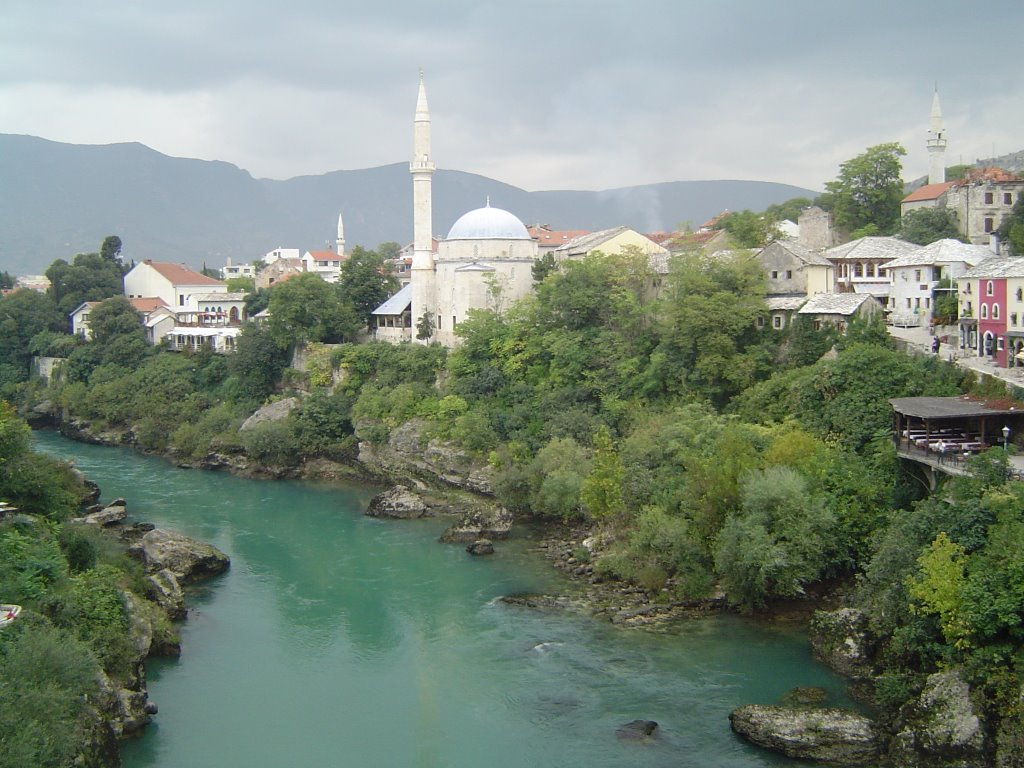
[488, 224]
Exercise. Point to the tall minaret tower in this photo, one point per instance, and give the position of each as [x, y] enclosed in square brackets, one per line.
[422, 169]
[340, 243]
[936, 143]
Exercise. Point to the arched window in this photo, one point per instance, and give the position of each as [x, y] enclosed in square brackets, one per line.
[995, 311]
[1020, 294]
[989, 288]
[984, 311]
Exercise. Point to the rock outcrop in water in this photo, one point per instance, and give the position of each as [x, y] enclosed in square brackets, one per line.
[833, 736]
[398, 502]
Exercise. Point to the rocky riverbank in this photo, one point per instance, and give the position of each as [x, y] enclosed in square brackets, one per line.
[939, 727]
[170, 562]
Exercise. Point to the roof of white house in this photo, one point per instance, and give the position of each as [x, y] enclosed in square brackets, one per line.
[996, 267]
[179, 274]
[83, 306]
[871, 248]
[788, 303]
[590, 241]
[231, 296]
[397, 304]
[833, 304]
[943, 251]
[801, 252]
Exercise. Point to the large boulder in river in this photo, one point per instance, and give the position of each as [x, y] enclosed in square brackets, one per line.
[481, 522]
[398, 502]
[188, 559]
[112, 514]
[833, 736]
[941, 727]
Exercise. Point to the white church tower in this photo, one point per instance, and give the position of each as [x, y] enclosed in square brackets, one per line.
[340, 242]
[936, 143]
[422, 169]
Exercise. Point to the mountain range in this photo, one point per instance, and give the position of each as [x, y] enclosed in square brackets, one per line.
[59, 199]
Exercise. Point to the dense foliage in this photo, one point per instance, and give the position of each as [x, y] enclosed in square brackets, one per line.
[707, 450]
[865, 196]
[72, 583]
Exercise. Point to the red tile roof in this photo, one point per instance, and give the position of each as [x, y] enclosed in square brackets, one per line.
[989, 173]
[325, 255]
[147, 304]
[546, 236]
[928, 192]
[179, 274]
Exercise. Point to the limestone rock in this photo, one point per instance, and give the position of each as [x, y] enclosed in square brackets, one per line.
[636, 730]
[481, 523]
[166, 590]
[941, 726]
[186, 558]
[112, 514]
[480, 547]
[399, 502]
[409, 454]
[834, 736]
[841, 640]
[270, 413]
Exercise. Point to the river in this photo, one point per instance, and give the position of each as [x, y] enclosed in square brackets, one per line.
[341, 640]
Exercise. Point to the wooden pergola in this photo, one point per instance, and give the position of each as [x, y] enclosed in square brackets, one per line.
[953, 424]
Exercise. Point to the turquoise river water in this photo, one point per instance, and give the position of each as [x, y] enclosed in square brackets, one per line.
[341, 640]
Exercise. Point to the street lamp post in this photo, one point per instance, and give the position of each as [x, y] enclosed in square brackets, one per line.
[1006, 437]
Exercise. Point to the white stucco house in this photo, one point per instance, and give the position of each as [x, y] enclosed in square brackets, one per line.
[860, 264]
[916, 277]
[194, 311]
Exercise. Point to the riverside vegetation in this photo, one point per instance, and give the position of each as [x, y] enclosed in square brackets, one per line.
[703, 452]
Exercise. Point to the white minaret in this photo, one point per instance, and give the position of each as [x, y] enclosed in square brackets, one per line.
[340, 242]
[936, 143]
[422, 169]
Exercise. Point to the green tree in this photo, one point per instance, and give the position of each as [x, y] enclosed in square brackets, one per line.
[241, 284]
[780, 540]
[868, 191]
[789, 210]
[1012, 228]
[89, 277]
[110, 249]
[749, 230]
[366, 282]
[305, 308]
[257, 301]
[257, 363]
[23, 314]
[115, 317]
[601, 492]
[6, 280]
[425, 326]
[389, 251]
[543, 266]
[926, 225]
[939, 588]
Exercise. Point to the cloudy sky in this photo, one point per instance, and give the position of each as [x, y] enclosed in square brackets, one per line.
[570, 94]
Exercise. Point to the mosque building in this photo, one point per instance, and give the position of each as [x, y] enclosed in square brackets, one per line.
[485, 262]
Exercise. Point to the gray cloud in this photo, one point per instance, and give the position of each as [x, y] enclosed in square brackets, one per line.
[569, 94]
